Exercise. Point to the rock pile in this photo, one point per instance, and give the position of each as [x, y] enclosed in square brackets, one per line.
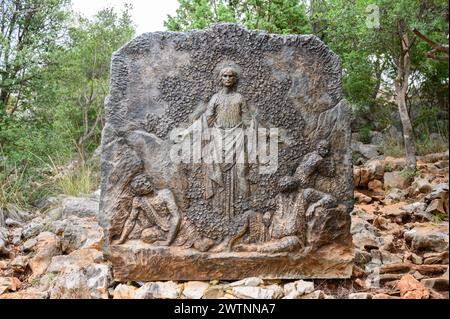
[400, 229]
[401, 239]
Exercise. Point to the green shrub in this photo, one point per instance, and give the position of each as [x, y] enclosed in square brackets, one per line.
[440, 217]
[409, 173]
[365, 134]
[388, 167]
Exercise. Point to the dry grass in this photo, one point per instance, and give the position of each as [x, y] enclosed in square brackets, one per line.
[428, 147]
[75, 179]
[395, 148]
[11, 184]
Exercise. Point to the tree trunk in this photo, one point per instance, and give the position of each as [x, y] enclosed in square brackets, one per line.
[4, 98]
[315, 23]
[401, 89]
[408, 134]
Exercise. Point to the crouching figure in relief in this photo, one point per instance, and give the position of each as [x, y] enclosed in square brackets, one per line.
[159, 209]
[297, 202]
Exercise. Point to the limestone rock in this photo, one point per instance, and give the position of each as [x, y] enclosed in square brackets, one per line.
[361, 198]
[13, 223]
[436, 258]
[71, 284]
[3, 242]
[358, 273]
[19, 263]
[438, 200]
[124, 292]
[394, 164]
[381, 223]
[318, 294]
[396, 213]
[9, 284]
[16, 236]
[294, 294]
[411, 288]
[55, 214]
[434, 157]
[376, 257]
[416, 259]
[417, 209]
[14, 212]
[256, 293]
[375, 186]
[29, 293]
[428, 237]
[45, 282]
[294, 290]
[99, 278]
[367, 150]
[33, 228]
[359, 213]
[248, 282]
[89, 282]
[214, 292]
[394, 195]
[80, 207]
[195, 289]
[290, 288]
[304, 287]
[29, 244]
[422, 185]
[439, 284]
[47, 246]
[418, 275]
[446, 274]
[371, 170]
[361, 177]
[362, 257]
[360, 295]
[48, 203]
[277, 290]
[376, 138]
[80, 258]
[375, 168]
[365, 236]
[396, 179]
[390, 258]
[436, 206]
[158, 290]
[80, 233]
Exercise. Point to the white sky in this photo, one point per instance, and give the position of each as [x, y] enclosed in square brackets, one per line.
[148, 15]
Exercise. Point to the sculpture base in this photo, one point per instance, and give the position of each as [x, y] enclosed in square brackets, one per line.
[141, 262]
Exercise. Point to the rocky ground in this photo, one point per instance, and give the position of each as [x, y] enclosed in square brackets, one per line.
[399, 226]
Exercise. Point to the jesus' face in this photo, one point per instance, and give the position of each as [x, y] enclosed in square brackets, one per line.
[228, 77]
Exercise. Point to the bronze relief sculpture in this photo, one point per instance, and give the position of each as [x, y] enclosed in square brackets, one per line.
[159, 210]
[218, 212]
